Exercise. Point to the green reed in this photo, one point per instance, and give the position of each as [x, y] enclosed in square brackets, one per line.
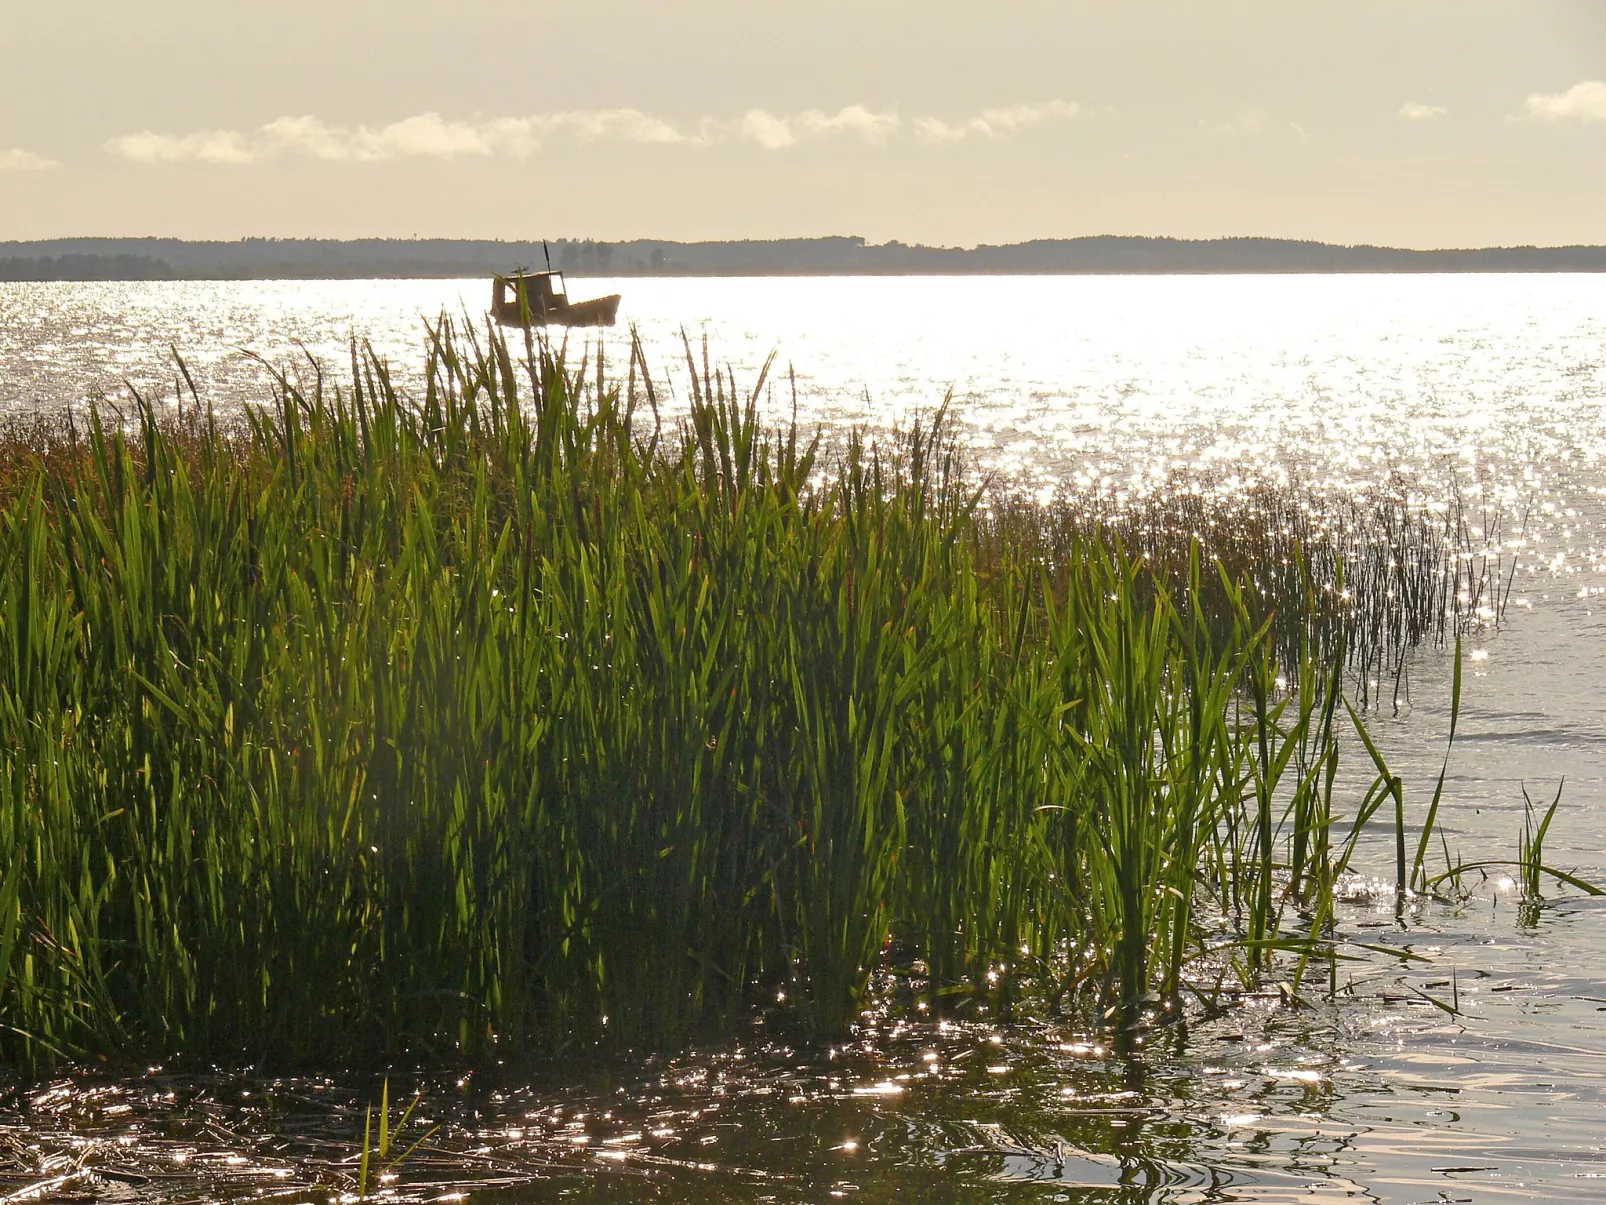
[1360, 579]
[499, 719]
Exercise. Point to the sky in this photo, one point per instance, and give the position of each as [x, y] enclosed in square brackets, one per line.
[1423, 123]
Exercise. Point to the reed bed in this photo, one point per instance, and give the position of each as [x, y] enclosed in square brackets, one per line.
[500, 719]
[1364, 579]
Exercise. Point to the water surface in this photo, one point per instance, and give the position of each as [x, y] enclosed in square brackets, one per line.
[1488, 389]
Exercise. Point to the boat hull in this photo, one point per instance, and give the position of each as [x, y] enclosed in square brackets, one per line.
[599, 311]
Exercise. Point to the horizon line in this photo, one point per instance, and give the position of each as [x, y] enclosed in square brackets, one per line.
[861, 241]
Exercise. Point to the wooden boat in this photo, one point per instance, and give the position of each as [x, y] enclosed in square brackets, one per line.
[542, 299]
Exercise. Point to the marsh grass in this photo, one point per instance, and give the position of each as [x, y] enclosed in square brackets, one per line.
[500, 719]
[382, 1153]
[1361, 579]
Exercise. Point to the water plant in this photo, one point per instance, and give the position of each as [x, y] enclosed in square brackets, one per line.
[1531, 843]
[380, 1154]
[500, 719]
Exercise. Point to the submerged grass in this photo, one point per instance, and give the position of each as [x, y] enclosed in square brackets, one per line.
[497, 720]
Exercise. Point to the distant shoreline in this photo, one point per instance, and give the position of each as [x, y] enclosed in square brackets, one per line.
[87, 259]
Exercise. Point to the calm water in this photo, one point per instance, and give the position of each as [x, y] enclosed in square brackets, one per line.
[1492, 389]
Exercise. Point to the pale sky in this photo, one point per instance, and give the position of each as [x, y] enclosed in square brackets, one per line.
[1410, 122]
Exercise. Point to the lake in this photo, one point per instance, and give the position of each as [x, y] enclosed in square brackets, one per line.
[1486, 389]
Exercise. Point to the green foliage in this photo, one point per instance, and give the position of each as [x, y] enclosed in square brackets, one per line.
[495, 720]
[380, 1157]
[1531, 844]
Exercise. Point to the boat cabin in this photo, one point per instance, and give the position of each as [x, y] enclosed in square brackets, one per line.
[544, 293]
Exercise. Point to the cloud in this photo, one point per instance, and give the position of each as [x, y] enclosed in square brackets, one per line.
[774, 133]
[769, 131]
[855, 121]
[424, 136]
[1412, 111]
[206, 146]
[431, 136]
[617, 125]
[1581, 102]
[995, 123]
[1254, 124]
[16, 160]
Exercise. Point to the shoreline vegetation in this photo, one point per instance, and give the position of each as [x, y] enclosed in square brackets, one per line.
[84, 259]
[510, 719]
